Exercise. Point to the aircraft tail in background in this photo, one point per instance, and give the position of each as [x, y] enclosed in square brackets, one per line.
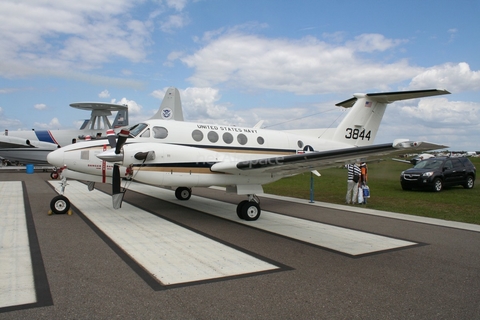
[171, 107]
[360, 125]
[121, 119]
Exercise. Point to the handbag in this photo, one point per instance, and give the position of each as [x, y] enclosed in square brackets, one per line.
[360, 195]
[366, 191]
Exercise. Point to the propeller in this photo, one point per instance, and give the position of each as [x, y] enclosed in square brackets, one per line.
[117, 144]
[122, 138]
[116, 155]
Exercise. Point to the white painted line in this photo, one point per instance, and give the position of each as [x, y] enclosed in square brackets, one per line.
[380, 213]
[170, 253]
[17, 285]
[335, 238]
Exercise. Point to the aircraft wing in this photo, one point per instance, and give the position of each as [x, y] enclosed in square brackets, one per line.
[294, 164]
[400, 160]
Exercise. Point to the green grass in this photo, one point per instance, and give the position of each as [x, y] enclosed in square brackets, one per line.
[456, 203]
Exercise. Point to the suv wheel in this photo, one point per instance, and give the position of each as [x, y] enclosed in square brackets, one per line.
[437, 185]
[470, 183]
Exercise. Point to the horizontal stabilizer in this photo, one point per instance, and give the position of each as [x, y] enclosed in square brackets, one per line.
[389, 97]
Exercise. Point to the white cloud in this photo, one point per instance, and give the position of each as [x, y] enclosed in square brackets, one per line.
[53, 124]
[104, 94]
[373, 42]
[40, 106]
[435, 111]
[305, 66]
[178, 5]
[135, 111]
[454, 77]
[176, 21]
[66, 39]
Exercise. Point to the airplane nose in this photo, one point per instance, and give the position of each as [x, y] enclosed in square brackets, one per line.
[55, 158]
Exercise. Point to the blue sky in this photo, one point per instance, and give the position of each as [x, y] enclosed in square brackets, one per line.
[239, 62]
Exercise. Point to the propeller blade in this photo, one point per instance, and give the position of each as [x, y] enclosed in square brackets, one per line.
[122, 138]
[116, 179]
[117, 194]
[112, 138]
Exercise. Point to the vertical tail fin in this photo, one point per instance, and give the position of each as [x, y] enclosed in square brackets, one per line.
[121, 119]
[171, 107]
[360, 126]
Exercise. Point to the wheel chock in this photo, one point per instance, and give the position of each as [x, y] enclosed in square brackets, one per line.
[50, 212]
[69, 212]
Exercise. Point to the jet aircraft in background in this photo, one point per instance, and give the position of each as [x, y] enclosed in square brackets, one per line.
[416, 159]
[33, 146]
[184, 155]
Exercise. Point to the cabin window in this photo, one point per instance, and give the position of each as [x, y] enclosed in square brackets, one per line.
[136, 129]
[300, 144]
[197, 135]
[242, 139]
[145, 134]
[160, 132]
[227, 137]
[260, 140]
[212, 136]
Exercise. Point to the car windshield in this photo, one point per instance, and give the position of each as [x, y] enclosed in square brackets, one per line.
[429, 164]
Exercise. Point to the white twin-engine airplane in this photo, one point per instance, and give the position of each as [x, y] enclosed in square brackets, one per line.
[186, 155]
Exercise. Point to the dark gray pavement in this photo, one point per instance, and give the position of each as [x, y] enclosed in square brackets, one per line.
[86, 277]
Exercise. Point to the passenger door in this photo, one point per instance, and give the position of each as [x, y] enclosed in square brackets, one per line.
[452, 172]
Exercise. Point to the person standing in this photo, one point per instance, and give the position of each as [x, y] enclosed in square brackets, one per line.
[364, 175]
[354, 174]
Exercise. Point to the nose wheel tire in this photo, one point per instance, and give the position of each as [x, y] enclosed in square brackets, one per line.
[60, 205]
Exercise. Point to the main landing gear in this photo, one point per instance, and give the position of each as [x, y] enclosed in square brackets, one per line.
[183, 193]
[249, 210]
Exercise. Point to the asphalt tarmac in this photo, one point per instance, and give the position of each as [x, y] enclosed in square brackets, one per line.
[80, 272]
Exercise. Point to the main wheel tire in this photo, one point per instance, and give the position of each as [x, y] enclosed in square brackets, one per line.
[250, 211]
[239, 209]
[437, 185]
[60, 205]
[470, 183]
[183, 193]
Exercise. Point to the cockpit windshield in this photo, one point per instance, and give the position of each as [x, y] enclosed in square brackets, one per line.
[429, 164]
[137, 129]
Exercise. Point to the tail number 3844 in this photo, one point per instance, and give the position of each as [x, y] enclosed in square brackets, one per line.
[356, 134]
